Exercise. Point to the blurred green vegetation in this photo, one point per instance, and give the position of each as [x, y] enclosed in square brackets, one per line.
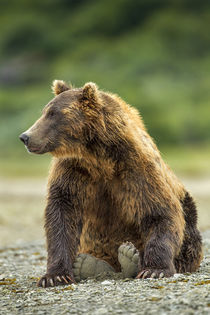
[154, 53]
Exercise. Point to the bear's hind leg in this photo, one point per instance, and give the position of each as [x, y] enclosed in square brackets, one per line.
[190, 254]
[87, 266]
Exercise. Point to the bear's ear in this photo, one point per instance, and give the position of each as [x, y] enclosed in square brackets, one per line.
[59, 86]
[90, 93]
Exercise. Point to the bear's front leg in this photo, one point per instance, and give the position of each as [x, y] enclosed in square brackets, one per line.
[157, 258]
[63, 228]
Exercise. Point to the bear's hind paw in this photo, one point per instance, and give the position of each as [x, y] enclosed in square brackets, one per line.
[87, 266]
[128, 257]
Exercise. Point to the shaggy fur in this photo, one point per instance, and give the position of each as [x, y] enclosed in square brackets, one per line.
[108, 184]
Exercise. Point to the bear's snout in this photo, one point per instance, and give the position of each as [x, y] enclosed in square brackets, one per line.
[24, 137]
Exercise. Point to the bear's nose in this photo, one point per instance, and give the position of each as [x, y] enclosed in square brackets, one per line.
[23, 137]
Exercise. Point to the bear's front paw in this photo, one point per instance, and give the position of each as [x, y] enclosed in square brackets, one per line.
[155, 273]
[51, 280]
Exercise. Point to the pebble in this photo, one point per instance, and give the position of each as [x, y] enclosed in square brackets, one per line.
[106, 282]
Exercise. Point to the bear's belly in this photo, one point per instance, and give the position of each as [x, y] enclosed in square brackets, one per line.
[102, 239]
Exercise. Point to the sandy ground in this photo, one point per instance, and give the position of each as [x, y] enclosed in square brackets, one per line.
[22, 206]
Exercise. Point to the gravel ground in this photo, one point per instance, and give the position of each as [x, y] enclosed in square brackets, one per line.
[20, 267]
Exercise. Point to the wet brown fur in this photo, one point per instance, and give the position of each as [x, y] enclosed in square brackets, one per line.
[108, 184]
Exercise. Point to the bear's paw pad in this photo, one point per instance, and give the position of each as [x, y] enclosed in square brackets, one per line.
[87, 266]
[128, 257]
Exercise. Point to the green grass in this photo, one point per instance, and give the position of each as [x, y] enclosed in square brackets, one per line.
[188, 161]
[26, 166]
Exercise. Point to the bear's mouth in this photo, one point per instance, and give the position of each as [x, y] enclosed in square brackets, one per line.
[39, 149]
[36, 150]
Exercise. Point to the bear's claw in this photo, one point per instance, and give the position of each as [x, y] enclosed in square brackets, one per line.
[154, 273]
[54, 280]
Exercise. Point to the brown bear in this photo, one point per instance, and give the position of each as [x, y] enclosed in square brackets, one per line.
[108, 185]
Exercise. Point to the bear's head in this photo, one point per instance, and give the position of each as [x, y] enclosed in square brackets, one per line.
[74, 122]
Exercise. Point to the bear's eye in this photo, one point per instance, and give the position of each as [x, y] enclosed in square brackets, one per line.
[51, 113]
